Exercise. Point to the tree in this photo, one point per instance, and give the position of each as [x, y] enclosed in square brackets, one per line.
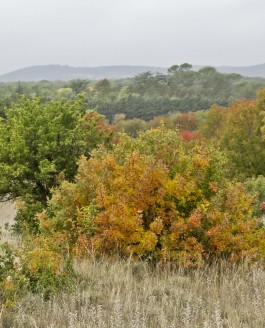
[131, 127]
[173, 69]
[103, 86]
[78, 85]
[179, 68]
[20, 89]
[185, 67]
[238, 131]
[39, 141]
[212, 121]
[241, 137]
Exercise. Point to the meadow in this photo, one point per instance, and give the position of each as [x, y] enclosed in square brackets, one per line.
[125, 293]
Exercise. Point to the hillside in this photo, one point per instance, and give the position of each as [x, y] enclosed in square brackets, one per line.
[250, 71]
[59, 72]
[66, 73]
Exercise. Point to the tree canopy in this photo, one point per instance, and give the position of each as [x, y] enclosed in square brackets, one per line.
[41, 141]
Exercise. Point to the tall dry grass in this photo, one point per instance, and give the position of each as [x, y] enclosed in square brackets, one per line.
[116, 293]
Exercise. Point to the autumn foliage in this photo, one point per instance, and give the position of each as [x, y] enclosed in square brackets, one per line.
[170, 194]
[155, 197]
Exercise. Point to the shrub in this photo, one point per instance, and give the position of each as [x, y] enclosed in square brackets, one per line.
[155, 197]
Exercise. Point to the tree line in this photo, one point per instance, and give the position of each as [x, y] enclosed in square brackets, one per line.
[147, 95]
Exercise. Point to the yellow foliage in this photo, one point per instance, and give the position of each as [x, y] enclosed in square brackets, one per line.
[170, 203]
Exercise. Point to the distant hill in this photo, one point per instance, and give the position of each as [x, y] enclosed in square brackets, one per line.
[65, 73]
[249, 71]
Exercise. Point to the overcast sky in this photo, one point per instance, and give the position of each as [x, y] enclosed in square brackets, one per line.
[131, 32]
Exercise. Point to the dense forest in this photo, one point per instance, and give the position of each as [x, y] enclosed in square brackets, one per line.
[162, 168]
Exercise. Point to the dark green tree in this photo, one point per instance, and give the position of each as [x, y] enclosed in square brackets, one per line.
[185, 67]
[173, 69]
[78, 85]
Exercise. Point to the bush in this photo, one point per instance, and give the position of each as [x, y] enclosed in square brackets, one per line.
[155, 197]
[36, 267]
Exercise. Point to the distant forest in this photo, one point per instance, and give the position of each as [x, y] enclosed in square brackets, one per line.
[145, 96]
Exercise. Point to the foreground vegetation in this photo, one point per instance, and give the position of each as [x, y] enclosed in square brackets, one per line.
[177, 194]
[115, 293]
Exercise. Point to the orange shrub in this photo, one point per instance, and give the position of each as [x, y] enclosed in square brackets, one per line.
[155, 197]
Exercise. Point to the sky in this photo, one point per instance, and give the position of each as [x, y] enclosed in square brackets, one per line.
[131, 32]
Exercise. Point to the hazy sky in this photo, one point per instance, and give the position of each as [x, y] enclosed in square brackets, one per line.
[131, 32]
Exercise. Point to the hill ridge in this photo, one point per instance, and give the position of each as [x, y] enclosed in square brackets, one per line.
[65, 72]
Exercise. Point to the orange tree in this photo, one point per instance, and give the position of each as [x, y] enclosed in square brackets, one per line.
[154, 197]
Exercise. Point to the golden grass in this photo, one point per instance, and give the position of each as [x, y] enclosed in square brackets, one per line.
[116, 293]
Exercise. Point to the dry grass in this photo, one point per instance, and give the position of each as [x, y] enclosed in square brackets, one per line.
[7, 214]
[128, 294]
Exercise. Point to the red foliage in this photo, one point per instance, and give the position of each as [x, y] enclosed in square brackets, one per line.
[187, 121]
[188, 135]
[103, 128]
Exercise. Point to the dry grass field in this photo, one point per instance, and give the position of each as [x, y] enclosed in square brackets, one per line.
[128, 294]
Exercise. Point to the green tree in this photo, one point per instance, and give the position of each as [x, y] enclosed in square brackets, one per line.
[131, 127]
[212, 121]
[185, 67]
[173, 69]
[238, 130]
[242, 138]
[178, 68]
[78, 85]
[103, 86]
[20, 89]
[256, 187]
[39, 141]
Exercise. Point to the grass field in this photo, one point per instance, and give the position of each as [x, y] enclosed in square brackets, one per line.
[116, 293]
